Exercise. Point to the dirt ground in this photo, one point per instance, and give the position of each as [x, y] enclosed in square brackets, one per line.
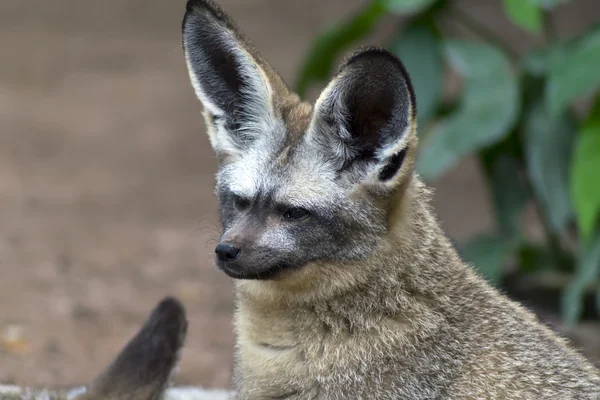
[106, 179]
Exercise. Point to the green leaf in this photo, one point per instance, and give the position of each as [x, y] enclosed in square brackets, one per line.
[549, 145]
[575, 74]
[421, 53]
[585, 182]
[538, 62]
[534, 257]
[488, 253]
[507, 186]
[407, 6]
[524, 14]
[547, 4]
[329, 44]
[488, 109]
[588, 271]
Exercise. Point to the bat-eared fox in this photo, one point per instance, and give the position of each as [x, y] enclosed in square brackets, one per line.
[346, 286]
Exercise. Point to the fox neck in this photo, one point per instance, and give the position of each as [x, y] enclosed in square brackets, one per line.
[413, 267]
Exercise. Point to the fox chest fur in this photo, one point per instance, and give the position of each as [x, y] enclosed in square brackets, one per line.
[422, 351]
[315, 354]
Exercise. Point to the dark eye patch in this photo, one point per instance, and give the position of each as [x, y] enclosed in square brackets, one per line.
[295, 214]
[240, 203]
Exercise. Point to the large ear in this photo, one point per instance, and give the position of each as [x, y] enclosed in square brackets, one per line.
[144, 367]
[230, 78]
[365, 119]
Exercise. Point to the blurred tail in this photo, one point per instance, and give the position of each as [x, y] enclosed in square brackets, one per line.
[143, 369]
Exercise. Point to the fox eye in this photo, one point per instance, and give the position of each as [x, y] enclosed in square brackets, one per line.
[240, 203]
[296, 214]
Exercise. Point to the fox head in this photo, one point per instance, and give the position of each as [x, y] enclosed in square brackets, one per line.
[299, 184]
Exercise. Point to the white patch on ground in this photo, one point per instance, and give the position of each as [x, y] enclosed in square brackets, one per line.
[194, 393]
[181, 393]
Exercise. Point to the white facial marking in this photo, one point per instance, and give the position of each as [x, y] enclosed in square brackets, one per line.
[277, 238]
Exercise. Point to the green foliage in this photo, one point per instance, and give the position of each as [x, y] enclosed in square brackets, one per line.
[549, 143]
[508, 186]
[334, 41]
[407, 6]
[586, 274]
[514, 113]
[525, 14]
[585, 170]
[488, 252]
[574, 74]
[420, 50]
[488, 108]
[546, 4]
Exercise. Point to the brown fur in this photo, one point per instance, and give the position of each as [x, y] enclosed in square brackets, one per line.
[409, 321]
[402, 325]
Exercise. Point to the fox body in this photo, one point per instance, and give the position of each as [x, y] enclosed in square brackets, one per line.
[346, 286]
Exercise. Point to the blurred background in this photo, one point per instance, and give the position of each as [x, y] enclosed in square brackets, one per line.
[106, 174]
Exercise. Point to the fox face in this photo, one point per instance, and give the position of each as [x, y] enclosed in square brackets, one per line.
[297, 183]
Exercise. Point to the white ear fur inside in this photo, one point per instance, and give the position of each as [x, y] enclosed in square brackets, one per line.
[396, 147]
[256, 97]
[200, 94]
[330, 99]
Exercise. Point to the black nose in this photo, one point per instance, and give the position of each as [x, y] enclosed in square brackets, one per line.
[227, 252]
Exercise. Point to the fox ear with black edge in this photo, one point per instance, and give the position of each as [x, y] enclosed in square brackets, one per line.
[235, 85]
[143, 369]
[365, 119]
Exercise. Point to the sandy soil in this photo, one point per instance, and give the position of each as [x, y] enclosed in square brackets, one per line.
[106, 179]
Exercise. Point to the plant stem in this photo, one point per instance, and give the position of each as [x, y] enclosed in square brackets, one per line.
[549, 28]
[481, 30]
[559, 255]
[552, 240]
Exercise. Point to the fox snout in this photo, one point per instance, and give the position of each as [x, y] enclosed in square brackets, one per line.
[227, 252]
[247, 261]
[256, 242]
[238, 242]
[254, 248]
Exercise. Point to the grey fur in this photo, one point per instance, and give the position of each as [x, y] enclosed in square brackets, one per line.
[141, 371]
